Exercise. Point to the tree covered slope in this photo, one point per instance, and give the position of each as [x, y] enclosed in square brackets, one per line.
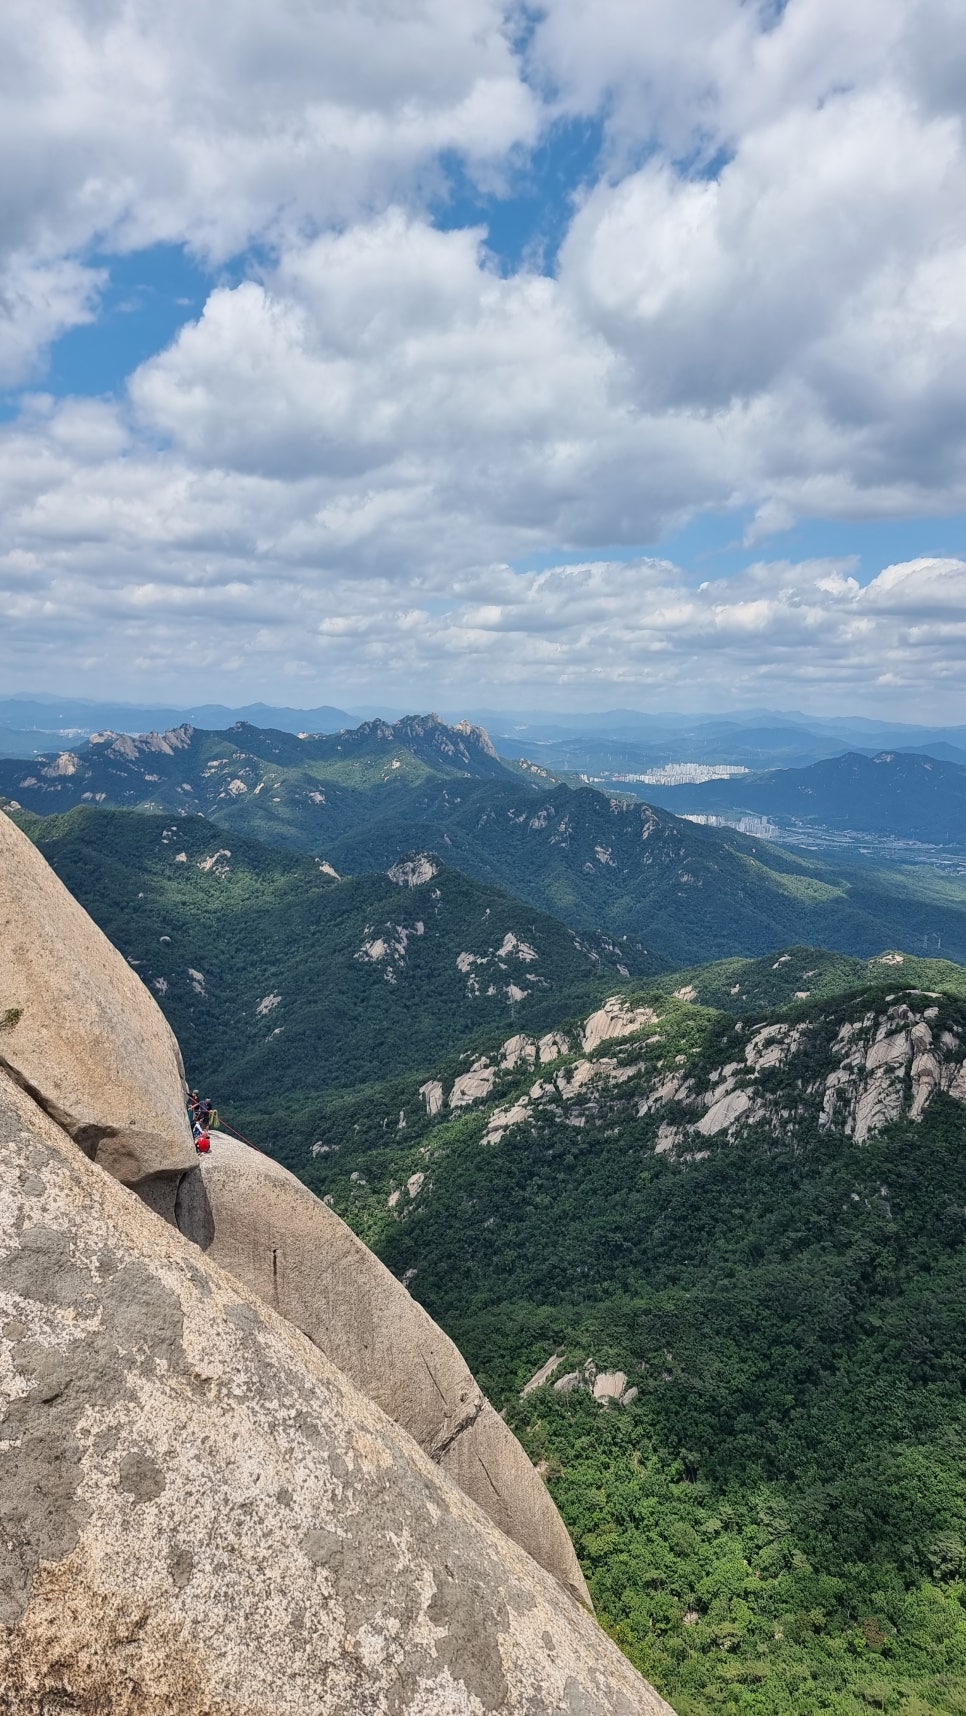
[282, 980]
[732, 1253]
[692, 892]
[808, 973]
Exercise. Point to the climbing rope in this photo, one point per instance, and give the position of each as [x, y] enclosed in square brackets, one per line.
[219, 1124]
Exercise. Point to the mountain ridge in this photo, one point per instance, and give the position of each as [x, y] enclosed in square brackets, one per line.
[894, 793]
[359, 800]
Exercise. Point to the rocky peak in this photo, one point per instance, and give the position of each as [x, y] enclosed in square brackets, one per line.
[200, 1513]
[462, 744]
[477, 737]
[81, 1033]
[132, 749]
[66, 764]
[414, 871]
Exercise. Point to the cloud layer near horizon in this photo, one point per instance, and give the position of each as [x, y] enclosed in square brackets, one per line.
[760, 304]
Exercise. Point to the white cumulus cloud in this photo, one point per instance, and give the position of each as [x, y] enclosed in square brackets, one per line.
[135, 567]
[759, 305]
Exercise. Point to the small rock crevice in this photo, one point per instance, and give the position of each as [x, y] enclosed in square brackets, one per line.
[87, 1136]
[452, 1429]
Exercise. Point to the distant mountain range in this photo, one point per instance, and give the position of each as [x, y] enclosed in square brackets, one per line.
[591, 743]
[890, 793]
[361, 799]
[29, 725]
[707, 742]
[636, 726]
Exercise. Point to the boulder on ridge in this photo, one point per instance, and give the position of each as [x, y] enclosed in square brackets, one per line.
[80, 1032]
[268, 1230]
[198, 1512]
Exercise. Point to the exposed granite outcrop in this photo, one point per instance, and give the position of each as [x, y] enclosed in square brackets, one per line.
[268, 1230]
[80, 1032]
[199, 1513]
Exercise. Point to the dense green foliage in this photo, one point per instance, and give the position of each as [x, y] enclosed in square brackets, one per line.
[778, 1522]
[259, 957]
[732, 1594]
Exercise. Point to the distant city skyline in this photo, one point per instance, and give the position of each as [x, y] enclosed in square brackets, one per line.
[458, 352]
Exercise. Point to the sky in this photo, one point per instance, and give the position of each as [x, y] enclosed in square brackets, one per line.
[423, 351]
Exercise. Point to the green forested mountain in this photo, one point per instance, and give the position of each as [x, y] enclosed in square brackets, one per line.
[894, 793]
[808, 973]
[282, 980]
[304, 791]
[360, 799]
[733, 1254]
[692, 892]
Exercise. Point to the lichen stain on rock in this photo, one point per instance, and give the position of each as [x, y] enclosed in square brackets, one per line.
[41, 1455]
[141, 1477]
[471, 1620]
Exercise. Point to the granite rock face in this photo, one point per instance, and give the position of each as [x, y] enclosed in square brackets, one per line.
[81, 1034]
[256, 1220]
[199, 1513]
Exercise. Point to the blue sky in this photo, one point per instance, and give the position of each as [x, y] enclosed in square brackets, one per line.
[147, 296]
[381, 352]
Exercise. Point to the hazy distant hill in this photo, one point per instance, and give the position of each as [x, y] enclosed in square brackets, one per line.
[891, 793]
[53, 714]
[17, 742]
[702, 742]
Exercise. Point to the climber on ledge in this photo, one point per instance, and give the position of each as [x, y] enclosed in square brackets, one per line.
[201, 1116]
